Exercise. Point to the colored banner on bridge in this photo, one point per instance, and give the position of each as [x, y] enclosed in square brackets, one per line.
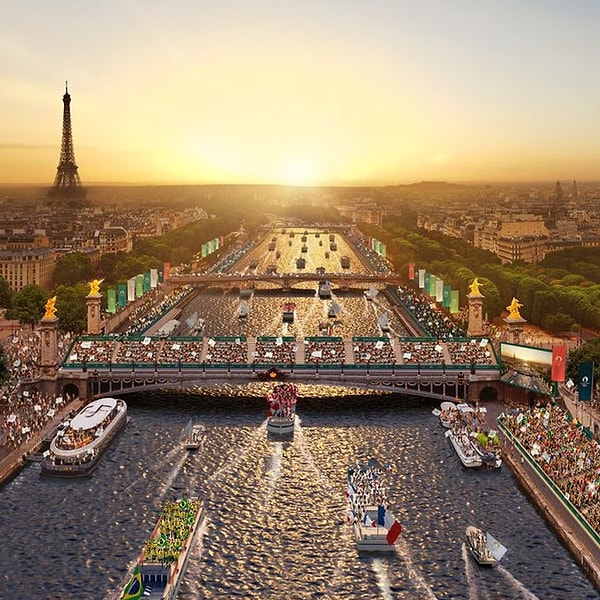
[122, 287]
[454, 306]
[559, 362]
[111, 298]
[586, 381]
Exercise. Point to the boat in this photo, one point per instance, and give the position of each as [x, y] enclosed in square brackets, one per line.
[281, 417]
[384, 323]
[486, 549]
[193, 436]
[79, 443]
[289, 312]
[487, 446]
[447, 413]
[461, 442]
[160, 567]
[243, 309]
[371, 293]
[334, 310]
[375, 527]
[324, 289]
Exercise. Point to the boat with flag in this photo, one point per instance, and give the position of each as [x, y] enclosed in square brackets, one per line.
[484, 547]
[375, 527]
[161, 565]
[80, 442]
[281, 402]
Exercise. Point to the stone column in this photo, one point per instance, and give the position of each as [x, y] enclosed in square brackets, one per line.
[94, 325]
[475, 322]
[515, 327]
[49, 351]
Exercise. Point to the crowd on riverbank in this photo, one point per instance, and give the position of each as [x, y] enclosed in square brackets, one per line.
[562, 449]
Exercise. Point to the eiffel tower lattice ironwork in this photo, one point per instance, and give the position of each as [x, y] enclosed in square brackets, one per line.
[67, 181]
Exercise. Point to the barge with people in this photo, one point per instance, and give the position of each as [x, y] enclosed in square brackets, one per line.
[375, 527]
[80, 442]
[281, 401]
[159, 570]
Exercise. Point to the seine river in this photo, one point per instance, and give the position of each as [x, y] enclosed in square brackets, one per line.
[275, 524]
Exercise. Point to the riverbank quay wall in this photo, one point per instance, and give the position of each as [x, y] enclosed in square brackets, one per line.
[572, 529]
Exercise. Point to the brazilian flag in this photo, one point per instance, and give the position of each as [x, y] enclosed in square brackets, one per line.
[134, 588]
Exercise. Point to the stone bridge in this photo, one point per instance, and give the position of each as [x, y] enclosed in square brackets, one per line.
[427, 381]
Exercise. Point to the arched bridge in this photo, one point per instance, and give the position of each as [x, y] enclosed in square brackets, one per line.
[429, 381]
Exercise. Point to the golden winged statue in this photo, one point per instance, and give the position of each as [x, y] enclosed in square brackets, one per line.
[513, 309]
[474, 288]
[95, 287]
[50, 308]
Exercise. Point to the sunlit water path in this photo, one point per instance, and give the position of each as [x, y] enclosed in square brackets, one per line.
[275, 524]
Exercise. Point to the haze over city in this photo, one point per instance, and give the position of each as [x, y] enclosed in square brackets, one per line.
[302, 93]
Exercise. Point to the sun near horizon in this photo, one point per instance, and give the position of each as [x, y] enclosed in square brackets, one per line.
[302, 94]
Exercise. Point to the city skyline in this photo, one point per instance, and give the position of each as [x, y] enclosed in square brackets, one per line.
[302, 93]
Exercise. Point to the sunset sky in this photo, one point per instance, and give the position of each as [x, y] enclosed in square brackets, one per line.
[321, 92]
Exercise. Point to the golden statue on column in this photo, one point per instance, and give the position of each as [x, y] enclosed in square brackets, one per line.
[513, 309]
[95, 287]
[50, 308]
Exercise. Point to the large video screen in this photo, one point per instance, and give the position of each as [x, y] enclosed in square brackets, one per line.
[525, 359]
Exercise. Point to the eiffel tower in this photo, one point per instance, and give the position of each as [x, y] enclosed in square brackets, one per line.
[67, 182]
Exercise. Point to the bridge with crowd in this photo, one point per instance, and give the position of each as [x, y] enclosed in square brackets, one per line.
[104, 365]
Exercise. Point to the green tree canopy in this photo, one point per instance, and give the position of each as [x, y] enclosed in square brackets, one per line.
[6, 294]
[71, 308]
[72, 268]
[28, 305]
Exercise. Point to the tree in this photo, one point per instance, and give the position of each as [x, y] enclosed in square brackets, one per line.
[5, 294]
[588, 352]
[28, 305]
[556, 323]
[4, 370]
[71, 309]
[72, 268]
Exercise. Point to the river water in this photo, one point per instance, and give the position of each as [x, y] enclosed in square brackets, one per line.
[275, 526]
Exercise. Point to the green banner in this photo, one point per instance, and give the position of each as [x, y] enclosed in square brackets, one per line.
[122, 287]
[139, 286]
[446, 296]
[454, 302]
[112, 300]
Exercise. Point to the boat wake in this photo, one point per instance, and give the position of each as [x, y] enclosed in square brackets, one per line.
[515, 584]
[166, 486]
[383, 581]
[414, 575]
[193, 576]
[470, 573]
[273, 471]
[300, 442]
[234, 461]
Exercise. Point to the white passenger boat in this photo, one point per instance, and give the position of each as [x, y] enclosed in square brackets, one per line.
[448, 413]
[79, 443]
[160, 568]
[375, 527]
[281, 401]
[461, 442]
[486, 549]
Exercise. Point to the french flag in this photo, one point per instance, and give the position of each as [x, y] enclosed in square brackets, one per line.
[394, 528]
